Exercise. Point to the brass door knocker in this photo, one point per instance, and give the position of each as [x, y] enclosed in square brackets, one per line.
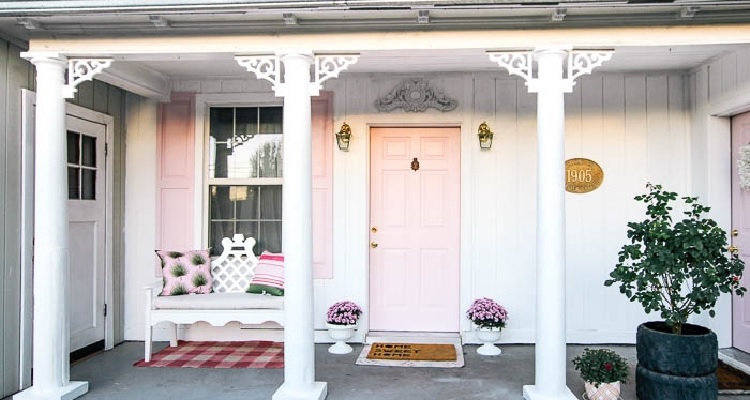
[414, 164]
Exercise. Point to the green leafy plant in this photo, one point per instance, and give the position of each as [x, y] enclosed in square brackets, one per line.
[676, 268]
[601, 366]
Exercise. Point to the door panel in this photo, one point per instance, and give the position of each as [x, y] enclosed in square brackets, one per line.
[415, 219]
[741, 222]
[87, 213]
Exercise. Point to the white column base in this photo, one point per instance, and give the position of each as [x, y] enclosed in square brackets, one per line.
[530, 392]
[317, 391]
[68, 392]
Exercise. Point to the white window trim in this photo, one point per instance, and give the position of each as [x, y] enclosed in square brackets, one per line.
[202, 103]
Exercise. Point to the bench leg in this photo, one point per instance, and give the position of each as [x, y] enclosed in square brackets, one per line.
[173, 339]
[148, 349]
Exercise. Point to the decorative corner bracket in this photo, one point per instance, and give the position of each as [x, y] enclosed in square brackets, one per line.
[329, 66]
[264, 67]
[580, 62]
[80, 70]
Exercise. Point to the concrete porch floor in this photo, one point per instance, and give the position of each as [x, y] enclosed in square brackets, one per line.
[111, 375]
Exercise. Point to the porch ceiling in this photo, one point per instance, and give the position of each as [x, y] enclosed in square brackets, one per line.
[223, 65]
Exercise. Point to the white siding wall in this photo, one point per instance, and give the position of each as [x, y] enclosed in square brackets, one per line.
[717, 91]
[635, 126]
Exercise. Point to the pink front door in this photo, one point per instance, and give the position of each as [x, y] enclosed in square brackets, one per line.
[414, 231]
[741, 223]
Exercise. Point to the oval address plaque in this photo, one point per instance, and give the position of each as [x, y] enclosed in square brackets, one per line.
[582, 175]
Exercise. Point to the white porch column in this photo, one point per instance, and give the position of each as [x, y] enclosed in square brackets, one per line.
[550, 349]
[297, 88]
[551, 85]
[299, 340]
[51, 342]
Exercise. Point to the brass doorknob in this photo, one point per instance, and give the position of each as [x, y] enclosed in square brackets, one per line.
[733, 249]
[373, 245]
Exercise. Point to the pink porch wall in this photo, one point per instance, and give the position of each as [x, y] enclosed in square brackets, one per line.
[175, 160]
[322, 171]
[175, 179]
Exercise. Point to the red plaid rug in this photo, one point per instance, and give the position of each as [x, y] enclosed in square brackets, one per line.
[254, 354]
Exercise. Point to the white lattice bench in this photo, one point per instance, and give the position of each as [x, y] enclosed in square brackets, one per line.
[232, 272]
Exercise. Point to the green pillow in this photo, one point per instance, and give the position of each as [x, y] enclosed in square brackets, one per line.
[263, 289]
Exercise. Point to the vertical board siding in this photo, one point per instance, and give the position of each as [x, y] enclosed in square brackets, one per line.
[322, 171]
[15, 74]
[175, 154]
[635, 126]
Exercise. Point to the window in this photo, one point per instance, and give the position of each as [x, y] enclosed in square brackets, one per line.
[245, 173]
[81, 166]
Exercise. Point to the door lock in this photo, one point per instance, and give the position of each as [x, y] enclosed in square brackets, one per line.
[373, 244]
[735, 232]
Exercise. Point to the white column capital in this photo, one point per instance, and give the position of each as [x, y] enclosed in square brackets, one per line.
[520, 63]
[44, 57]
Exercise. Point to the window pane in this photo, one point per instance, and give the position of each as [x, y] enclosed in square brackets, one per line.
[72, 142]
[88, 184]
[247, 202]
[270, 236]
[271, 120]
[270, 202]
[88, 151]
[221, 128]
[270, 156]
[73, 183]
[216, 232]
[220, 207]
[247, 123]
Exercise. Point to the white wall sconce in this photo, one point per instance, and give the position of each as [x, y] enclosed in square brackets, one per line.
[485, 136]
[343, 136]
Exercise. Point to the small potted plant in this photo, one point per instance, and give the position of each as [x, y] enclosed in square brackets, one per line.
[341, 321]
[602, 371]
[489, 318]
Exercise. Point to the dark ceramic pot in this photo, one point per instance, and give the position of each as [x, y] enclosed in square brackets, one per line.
[676, 366]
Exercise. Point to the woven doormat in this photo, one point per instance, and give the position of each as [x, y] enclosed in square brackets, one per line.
[253, 354]
[732, 380]
[440, 355]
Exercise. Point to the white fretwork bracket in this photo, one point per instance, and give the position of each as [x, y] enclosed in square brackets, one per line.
[264, 67]
[520, 63]
[268, 67]
[80, 70]
[329, 66]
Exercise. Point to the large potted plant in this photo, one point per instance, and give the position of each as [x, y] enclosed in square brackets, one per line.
[676, 268]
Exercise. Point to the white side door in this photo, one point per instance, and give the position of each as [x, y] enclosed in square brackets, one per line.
[87, 216]
[741, 234]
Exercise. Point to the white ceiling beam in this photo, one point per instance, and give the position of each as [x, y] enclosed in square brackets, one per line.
[137, 79]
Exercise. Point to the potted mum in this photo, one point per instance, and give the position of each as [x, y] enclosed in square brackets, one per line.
[602, 371]
[489, 318]
[341, 321]
[677, 269]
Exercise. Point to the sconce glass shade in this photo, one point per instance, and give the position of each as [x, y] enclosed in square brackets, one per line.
[485, 136]
[343, 136]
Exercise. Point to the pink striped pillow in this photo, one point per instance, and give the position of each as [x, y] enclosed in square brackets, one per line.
[269, 275]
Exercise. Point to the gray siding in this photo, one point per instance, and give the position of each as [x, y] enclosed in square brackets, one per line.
[15, 74]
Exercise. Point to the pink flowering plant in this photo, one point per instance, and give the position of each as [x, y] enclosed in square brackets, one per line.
[486, 313]
[344, 313]
[601, 366]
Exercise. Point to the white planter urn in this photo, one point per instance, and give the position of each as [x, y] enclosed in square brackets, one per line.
[605, 391]
[340, 334]
[488, 336]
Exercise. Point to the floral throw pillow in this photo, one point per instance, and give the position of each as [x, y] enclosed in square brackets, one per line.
[185, 272]
[269, 275]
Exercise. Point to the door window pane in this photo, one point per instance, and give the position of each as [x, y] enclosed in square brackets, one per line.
[73, 147]
[74, 183]
[88, 184]
[88, 151]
